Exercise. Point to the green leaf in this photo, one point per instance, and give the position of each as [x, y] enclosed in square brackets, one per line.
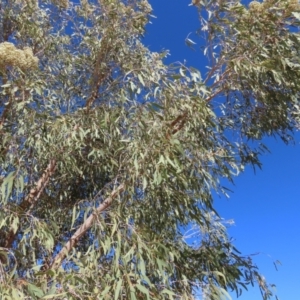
[15, 224]
[141, 288]
[168, 292]
[296, 15]
[6, 85]
[7, 184]
[53, 296]
[118, 288]
[105, 291]
[74, 216]
[16, 294]
[34, 291]
[141, 79]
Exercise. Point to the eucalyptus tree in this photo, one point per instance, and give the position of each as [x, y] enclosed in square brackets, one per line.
[108, 154]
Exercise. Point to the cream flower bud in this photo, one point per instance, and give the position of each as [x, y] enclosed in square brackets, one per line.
[11, 56]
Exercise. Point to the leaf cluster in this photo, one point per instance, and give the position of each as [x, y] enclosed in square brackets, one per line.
[107, 153]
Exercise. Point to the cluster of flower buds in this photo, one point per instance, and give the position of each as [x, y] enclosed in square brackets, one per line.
[288, 6]
[11, 56]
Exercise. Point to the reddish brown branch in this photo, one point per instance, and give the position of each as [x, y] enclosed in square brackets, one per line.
[32, 198]
[84, 228]
[214, 94]
[99, 74]
[178, 123]
[36, 192]
[94, 93]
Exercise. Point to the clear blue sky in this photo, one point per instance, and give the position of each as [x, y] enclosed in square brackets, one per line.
[265, 205]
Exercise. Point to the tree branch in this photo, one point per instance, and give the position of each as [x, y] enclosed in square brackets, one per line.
[99, 74]
[35, 193]
[32, 198]
[179, 122]
[84, 228]
[214, 94]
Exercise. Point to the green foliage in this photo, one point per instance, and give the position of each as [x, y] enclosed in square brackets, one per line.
[107, 154]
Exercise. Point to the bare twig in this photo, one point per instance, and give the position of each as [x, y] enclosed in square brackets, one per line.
[214, 94]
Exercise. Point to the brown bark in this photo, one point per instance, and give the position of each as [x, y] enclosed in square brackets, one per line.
[84, 228]
[32, 197]
[179, 122]
[36, 192]
[100, 73]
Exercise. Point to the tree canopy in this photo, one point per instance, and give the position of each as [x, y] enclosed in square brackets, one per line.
[109, 156]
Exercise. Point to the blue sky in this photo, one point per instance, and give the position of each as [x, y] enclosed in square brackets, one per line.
[265, 206]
